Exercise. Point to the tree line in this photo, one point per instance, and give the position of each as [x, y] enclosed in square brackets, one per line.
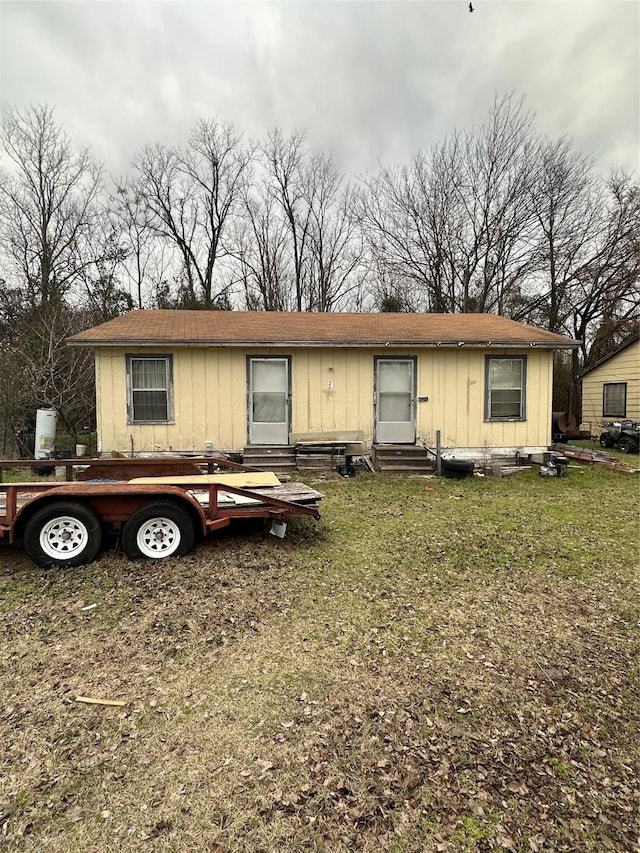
[496, 218]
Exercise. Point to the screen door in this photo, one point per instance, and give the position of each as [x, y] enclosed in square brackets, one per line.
[395, 401]
[268, 401]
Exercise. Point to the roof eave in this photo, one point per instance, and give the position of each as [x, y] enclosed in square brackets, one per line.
[164, 342]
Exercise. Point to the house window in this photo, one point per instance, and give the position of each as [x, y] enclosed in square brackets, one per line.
[505, 386]
[149, 389]
[614, 400]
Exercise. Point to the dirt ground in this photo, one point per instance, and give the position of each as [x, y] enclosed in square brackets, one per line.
[431, 667]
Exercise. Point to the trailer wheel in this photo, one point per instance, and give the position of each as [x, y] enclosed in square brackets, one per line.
[158, 530]
[63, 534]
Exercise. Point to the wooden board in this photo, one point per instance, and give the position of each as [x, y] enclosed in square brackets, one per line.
[123, 469]
[241, 480]
[291, 492]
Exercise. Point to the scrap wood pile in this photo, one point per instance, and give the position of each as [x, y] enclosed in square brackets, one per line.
[594, 457]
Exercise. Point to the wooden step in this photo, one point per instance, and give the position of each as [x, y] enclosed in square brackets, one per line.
[270, 458]
[277, 467]
[399, 450]
[317, 463]
[404, 468]
[402, 459]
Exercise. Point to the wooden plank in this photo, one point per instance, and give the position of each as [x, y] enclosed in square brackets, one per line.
[295, 492]
[90, 700]
[124, 469]
[291, 492]
[241, 480]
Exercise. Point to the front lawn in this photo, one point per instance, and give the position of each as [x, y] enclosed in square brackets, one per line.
[436, 665]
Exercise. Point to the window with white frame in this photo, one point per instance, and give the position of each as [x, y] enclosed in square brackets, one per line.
[149, 388]
[614, 400]
[505, 388]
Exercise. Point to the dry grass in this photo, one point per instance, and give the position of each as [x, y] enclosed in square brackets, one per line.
[446, 670]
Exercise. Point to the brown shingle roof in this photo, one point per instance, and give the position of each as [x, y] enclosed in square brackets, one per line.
[239, 328]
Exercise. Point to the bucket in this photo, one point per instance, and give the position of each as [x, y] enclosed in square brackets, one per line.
[81, 450]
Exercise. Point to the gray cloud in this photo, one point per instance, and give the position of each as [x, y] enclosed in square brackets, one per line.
[371, 80]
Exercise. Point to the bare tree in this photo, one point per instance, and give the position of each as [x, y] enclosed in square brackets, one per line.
[413, 224]
[284, 161]
[40, 370]
[305, 191]
[57, 256]
[498, 167]
[148, 260]
[261, 251]
[566, 199]
[104, 294]
[48, 195]
[453, 223]
[190, 196]
[335, 248]
[605, 291]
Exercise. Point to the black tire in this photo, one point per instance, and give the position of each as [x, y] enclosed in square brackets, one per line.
[456, 468]
[605, 440]
[63, 534]
[627, 445]
[158, 530]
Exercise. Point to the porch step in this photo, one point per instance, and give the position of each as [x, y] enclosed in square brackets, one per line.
[269, 458]
[318, 461]
[402, 459]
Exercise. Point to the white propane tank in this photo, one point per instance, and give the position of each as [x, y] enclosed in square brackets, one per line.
[45, 433]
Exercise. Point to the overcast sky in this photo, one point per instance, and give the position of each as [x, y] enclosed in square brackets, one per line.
[372, 81]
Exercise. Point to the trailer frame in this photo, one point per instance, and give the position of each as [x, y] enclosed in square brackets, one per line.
[208, 506]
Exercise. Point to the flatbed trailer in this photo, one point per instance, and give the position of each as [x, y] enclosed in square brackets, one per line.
[65, 523]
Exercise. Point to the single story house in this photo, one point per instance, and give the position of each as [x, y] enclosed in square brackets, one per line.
[611, 387]
[230, 380]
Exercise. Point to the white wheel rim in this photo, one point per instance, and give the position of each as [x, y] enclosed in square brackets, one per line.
[64, 537]
[158, 537]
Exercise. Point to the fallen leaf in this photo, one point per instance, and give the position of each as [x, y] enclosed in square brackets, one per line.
[73, 813]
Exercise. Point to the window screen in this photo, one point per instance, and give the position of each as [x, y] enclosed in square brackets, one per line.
[505, 389]
[614, 400]
[149, 380]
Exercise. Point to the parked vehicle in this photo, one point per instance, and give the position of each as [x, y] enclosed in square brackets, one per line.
[625, 435]
[65, 524]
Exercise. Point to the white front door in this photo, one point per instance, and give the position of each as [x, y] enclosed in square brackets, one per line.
[268, 401]
[395, 401]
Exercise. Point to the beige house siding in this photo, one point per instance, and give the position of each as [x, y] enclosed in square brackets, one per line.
[622, 367]
[454, 381]
[331, 389]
